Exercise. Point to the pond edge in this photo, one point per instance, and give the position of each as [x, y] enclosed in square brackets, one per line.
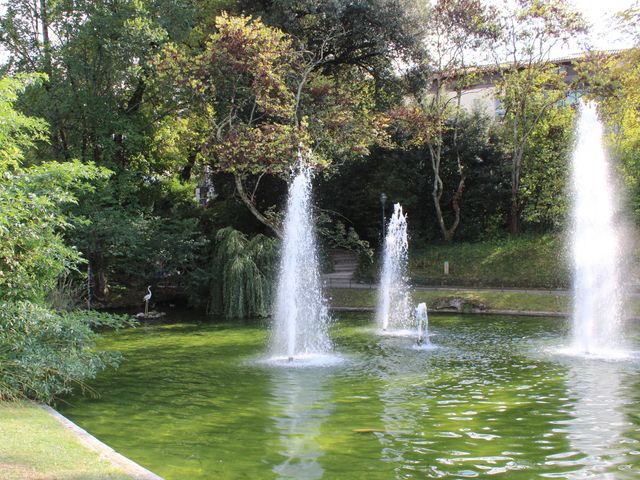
[474, 311]
[136, 471]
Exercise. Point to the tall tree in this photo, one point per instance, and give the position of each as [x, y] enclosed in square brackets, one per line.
[529, 83]
[456, 28]
[370, 34]
[263, 103]
[613, 80]
[96, 56]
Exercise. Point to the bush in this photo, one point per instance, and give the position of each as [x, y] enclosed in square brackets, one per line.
[45, 353]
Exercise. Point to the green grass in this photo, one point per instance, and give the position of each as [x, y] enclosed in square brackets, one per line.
[539, 302]
[492, 299]
[530, 261]
[35, 446]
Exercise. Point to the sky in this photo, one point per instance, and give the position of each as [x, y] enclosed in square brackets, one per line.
[597, 12]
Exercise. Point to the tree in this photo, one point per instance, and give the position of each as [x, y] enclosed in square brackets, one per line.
[613, 80]
[455, 29]
[367, 34]
[33, 253]
[255, 94]
[96, 56]
[543, 187]
[529, 83]
[43, 352]
[244, 272]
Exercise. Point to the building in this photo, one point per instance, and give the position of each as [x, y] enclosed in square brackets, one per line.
[481, 95]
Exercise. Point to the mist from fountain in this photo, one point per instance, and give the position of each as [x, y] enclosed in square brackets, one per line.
[301, 315]
[394, 295]
[595, 244]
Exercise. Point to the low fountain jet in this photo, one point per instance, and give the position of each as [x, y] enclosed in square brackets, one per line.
[422, 319]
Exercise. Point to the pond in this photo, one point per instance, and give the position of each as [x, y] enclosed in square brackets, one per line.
[194, 401]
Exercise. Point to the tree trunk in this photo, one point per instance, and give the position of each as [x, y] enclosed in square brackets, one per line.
[46, 44]
[185, 173]
[514, 219]
[254, 210]
[448, 233]
[436, 194]
[101, 290]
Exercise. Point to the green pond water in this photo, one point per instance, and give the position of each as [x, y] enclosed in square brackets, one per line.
[194, 401]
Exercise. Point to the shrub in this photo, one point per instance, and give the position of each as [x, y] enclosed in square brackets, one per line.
[45, 353]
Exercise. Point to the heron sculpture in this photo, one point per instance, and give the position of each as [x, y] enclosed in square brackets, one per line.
[146, 299]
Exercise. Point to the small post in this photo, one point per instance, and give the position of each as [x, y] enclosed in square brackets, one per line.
[446, 267]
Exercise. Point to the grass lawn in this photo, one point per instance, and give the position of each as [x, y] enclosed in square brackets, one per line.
[528, 261]
[343, 297]
[496, 300]
[35, 446]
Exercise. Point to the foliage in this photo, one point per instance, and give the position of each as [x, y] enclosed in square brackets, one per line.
[18, 132]
[255, 93]
[132, 242]
[33, 254]
[335, 235]
[544, 194]
[455, 27]
[243, 275]
[97, 58]
[530, 86]
[45, 354]
[367, 33]
[354, 191]
[98, 99]
[484, 206]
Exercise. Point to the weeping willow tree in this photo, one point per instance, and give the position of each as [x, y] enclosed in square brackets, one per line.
[243, 275]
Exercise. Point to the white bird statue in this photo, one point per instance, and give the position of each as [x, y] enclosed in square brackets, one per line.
[146, 299]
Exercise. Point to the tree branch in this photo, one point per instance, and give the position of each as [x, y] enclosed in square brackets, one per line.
[252, 207]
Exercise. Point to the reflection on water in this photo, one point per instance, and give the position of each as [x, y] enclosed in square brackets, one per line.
[597, 432]
[300, 403]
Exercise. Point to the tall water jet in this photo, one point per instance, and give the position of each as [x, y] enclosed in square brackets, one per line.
[422, 319]
[595, 243]
[301, 314]
[394, 295]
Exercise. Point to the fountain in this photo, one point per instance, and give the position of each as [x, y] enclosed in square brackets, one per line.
[301, 314]
[394, 296]
[596, 244]
[422, 319]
